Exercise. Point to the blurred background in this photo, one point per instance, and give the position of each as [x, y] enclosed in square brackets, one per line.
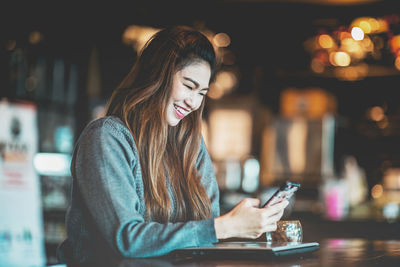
[306, 92]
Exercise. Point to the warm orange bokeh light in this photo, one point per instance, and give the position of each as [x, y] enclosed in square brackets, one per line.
[325, 41]
[317, 66]
[370, 25]
[376, 113]
[352, 73]
[365, 26]
[374, 24]
[311, 103]
[224, 82]
[137, 36]
[377, 191]
[353, 47]
[384, 123]
[35, 37]
[397, 63]
[346, 49]
[222, 40]
[395, 43]
[344, 35]
[367, 44]
[341, 59]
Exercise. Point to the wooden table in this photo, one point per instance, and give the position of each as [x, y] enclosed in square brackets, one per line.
[333, 252]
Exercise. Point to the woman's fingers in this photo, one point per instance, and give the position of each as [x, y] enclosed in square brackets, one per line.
[272, 215]
[276, 208]
[277, 216]
[251, 202]
[283, 204]
[248, 220]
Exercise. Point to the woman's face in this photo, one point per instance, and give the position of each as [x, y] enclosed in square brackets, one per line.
[189, 87]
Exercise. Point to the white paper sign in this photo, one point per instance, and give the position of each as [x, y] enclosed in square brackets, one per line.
[21, 225]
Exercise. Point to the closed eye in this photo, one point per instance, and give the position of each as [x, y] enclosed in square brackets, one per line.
[202, 92]
[191, 88]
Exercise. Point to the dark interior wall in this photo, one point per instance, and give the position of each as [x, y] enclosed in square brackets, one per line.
[267, 36]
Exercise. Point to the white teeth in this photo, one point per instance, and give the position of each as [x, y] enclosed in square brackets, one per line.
[179, 109]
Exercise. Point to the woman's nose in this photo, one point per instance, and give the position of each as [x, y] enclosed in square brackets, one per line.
[189, 101]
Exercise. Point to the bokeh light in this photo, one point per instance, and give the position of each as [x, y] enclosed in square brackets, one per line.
[395, 43]
[356, 51]
[397, 63]
[340, 59]
[224, 82]
[357, 33]
[222, 40]
[370, 25]
[137, 36]
[325, 41]
[376, 113]
[353, 48]
[377, 191]
[317, 66]
[35, 37]
[384, 123]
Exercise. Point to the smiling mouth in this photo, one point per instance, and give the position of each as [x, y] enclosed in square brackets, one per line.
[180, 111]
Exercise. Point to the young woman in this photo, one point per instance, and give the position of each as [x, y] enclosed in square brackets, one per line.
[143, 182]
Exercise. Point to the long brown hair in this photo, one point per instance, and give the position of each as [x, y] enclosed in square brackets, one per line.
[167, 154]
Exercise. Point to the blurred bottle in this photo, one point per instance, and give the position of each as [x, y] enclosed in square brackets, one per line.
[355, 178]
[251, 174]
[388, 200]
[335, 198]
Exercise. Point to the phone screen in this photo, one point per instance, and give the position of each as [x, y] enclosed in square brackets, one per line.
[286, 191]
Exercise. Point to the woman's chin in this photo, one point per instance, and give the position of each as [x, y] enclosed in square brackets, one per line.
[174, 122]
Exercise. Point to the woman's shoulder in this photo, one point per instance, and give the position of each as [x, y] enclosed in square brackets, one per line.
[107, 123]
[106, 131]
[107, 126]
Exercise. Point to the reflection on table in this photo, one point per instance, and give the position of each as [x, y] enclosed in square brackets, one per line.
[333, 252]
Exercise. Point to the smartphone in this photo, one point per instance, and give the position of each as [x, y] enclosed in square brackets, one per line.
[286, 191]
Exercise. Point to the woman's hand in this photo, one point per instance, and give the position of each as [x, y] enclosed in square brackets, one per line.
[247, 220]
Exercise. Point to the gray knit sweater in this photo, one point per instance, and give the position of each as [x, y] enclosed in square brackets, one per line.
[106, 216]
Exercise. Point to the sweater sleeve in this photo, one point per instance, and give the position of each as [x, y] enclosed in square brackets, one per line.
[105, 172]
